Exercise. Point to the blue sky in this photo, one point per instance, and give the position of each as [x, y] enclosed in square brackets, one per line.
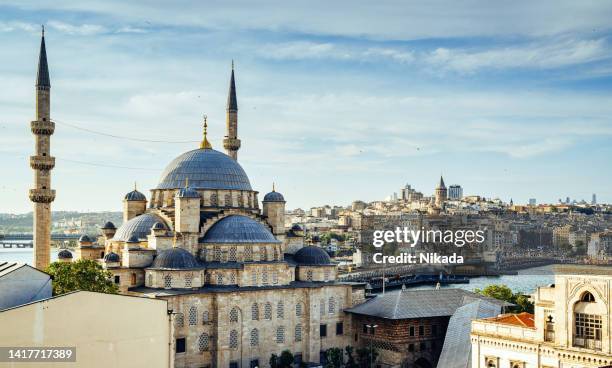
[337, 100]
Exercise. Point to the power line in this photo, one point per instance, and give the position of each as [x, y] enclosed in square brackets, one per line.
[90, 163]
[116, 136]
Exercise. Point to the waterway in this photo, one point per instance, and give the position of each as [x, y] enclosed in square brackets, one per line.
[526, 281]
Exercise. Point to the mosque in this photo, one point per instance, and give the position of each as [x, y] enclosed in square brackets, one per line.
[239, 285]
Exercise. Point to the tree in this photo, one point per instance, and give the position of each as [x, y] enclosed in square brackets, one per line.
[274, 361]
[503, 292]
[335, 358]
[367, 356]
[84, 274]
[286, 359]
[350, 359]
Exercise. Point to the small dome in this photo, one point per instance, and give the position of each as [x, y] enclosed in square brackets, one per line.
[135, 195]
[175, 258]
[312, 256]
[274, 196]
[187, 192]
[296, 227]
[238, 229]
[85, 239]
[64, 254]
[133, 239]
[112, 257]
[158, 226]
[108, 226]
[140, 226]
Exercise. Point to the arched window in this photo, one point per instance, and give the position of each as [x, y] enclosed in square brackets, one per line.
[232, 280]
[587, 297]
[332, 305]
[207, 278]
[188, 281]
[133, 279]
[254, 337]
[180, 320]
[268, 311]
[309, 275]
[326, 275]
[254, 312]
[322, 307]
[280, 334]
[263, 253]
[193, 316]
[276, 254]
[228, 200]
[205, 317]
[233, 316]
[298, 310]
[280, 310]
[150, 279]
[213, 199]
[203, 342]
[248, 253]
[264, 277]
[491, 363]
[167, 281]
[298, 333]
[219, 279]
[232, 253]
[233, 339]
[275, 277]
[254, 277]
[217, 251]
[240, 200]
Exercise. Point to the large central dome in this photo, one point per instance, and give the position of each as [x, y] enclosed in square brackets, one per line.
[205, 169]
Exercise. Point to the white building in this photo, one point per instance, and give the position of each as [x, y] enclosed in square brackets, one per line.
[455, 192]
[571, 327]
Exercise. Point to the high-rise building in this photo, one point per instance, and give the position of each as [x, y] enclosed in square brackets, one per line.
[455, 192]
[532, 201]
[42, 162]
[594, 199]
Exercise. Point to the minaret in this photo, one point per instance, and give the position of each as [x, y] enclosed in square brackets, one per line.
[231, 143]
[42, 162]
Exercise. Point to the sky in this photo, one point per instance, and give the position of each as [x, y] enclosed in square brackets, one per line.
[338, 101]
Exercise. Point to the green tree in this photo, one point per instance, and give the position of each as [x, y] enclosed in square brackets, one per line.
[367, 356]
[83, 274]
[274, 361]
[503, 292]
[335, 358]
[286, 359]
[350, 359]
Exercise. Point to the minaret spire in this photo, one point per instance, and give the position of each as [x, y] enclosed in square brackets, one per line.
[205, 143]
[231, 143]
[42, 162]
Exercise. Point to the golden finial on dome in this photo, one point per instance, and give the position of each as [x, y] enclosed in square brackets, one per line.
[205, 143]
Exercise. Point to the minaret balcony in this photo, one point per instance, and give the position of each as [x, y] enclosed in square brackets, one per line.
[231, 143]
[42, 195]
[42, 127]
[42, 162]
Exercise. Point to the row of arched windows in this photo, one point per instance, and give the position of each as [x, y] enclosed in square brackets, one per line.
[332, 306]
[254, 336]
[230, 254]
[267, 311]
[192, 317]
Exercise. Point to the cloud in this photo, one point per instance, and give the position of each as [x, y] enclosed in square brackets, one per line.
[18, 26]
[81, 29]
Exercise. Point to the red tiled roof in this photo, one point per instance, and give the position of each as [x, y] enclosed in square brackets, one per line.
[522, 319]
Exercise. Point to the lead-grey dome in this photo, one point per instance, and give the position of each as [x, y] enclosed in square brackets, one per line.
[238, 229]
[312, 256]
[274, 196]
[205, 169]
[140, 226]
[135, 195]
[85, 239]
[64, 254]
[175, 258]
[112, 257]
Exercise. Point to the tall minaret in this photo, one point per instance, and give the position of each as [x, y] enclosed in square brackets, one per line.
[231, 143]
[42, 162]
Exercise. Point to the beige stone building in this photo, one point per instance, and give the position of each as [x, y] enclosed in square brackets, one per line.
[239, 285]
[571, 327]
[129, 331]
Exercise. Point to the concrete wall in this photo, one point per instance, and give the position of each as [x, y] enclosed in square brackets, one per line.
[107, 330]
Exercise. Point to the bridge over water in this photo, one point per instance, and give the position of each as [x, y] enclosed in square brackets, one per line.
[26, 240]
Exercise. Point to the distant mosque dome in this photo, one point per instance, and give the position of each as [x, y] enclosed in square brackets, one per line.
[108, 226]
[204, 169]
[140, 226]
[312, 256]
[112, 257]
[64, 254]
[85, 239]
[274, 196]
[135, 195]
[238, 229]
[175, 258]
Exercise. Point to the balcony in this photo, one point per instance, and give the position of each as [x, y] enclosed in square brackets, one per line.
[549, 336]
[590, 344]
[42, 195]
[42, 127]
[42, 162]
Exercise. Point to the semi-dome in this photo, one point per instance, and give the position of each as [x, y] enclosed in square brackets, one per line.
[312, 256]
[112, 257]
[175, 258]
[238, 229]
[274, 196]
[204, 169]
[108, 226]
[64, 254]
[135, 195]
[140, 226]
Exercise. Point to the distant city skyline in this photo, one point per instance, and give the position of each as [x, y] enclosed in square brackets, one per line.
[514, 105]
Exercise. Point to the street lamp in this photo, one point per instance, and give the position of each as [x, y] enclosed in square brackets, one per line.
[372, 328]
